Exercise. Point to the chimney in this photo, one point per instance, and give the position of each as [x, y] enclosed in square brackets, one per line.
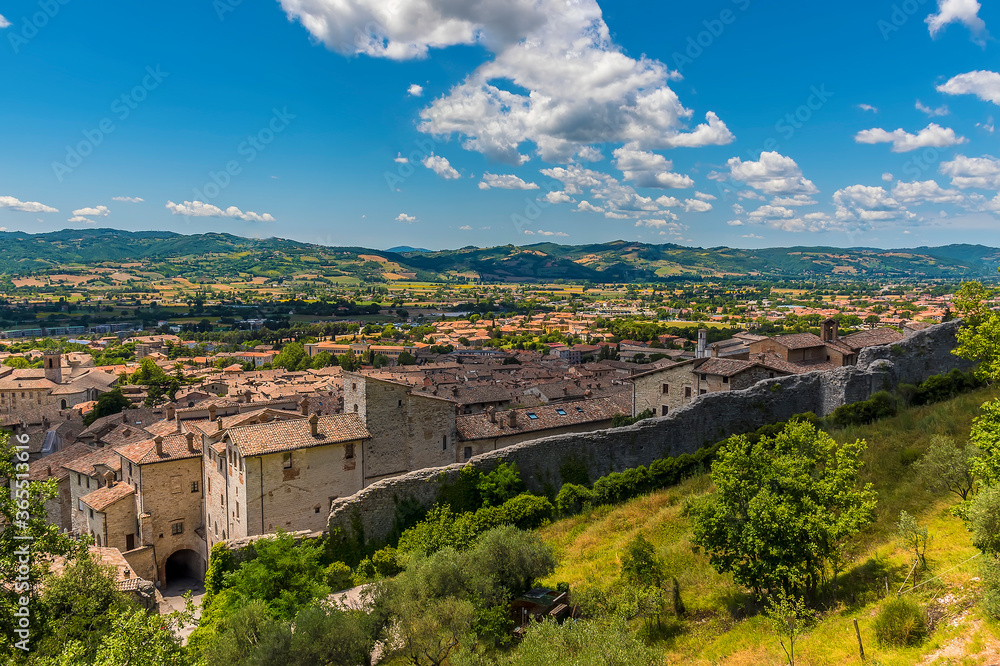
[126, 573]
[314, 425]
[190, 441]
[492, 413]
[304, 406]
[211, 412]
[248, 395]
[109, 479]
[48, 470]
[715, 350]
[512, 418]
[170, 412]
[218, 425]
[159, 445]
[702, 343]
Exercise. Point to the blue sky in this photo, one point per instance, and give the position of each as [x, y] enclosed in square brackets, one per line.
[440, 124]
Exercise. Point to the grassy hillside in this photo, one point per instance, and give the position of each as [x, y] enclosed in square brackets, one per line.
[723, 628]
[175, 255]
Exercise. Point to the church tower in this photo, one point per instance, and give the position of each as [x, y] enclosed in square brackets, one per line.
[53, 366]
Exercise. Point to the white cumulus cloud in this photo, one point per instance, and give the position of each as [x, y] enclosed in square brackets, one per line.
[25, 206]
[927, 191]
[973, 172]
[408, 219]
[923, 108]
[4, 23]
[867, 107]
[867, 204]
[902, 141]
[647, 169]
[505, 182]
[129, 199]
[696, 206]
[202, 209]
[441, 166]
[957, 11]
[774, 174]
[415, 91]
[556, 78]
[984, 84]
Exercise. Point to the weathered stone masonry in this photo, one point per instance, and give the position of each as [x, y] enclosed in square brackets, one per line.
[708, 419]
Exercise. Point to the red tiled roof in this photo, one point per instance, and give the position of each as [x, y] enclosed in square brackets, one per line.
[101, 499]
[278, 436]
[548, 417]
[878, 336]
[174, 448]
[799, 341]
[54, 466]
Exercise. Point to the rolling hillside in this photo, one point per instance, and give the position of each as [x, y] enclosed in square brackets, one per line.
[179, 255]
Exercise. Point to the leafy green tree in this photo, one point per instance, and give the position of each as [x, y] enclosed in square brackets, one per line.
[112, 402]
[783, 506]
[790, 617]
[78, 605]
[586, 642]
[292, 357]
[641, 565]
[406, 358]
[986, 436]
[25, 533]
[501, 484]
[913, 536]
[322, 360]
[948, 466]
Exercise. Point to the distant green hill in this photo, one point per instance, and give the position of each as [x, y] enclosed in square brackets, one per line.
[174, 254]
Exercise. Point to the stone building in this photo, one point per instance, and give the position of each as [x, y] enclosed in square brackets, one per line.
[33, 396]
[409, 430]
[478, 433]
[284, 474]
[165, 473]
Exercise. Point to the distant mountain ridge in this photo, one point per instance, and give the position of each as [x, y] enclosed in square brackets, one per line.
[617, 261]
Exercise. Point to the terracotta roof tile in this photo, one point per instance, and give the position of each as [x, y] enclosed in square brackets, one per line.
[278, 436]
[878, 336]
[547, 417]
[799, 341]
[54, 465]
[174, 448]
[101, 499]
[103, 456]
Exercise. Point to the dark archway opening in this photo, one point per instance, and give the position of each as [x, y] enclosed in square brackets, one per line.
[183, 567]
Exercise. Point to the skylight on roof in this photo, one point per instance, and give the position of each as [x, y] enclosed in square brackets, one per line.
[532, 415]
[561, 412]
[580, 409]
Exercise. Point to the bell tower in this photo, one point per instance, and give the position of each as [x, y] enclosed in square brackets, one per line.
[52, 362]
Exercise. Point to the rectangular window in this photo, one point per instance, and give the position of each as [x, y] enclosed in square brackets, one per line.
[663, 410]
[444, 442]
[702, 391]
[468, 452]
[666, 389]
[725, 380]
[687, 391]
[286, 460]
[704, 376]
[237, 509]
[91, 512]
[79, 480]
[349, 450]
[177, 528]
[194, 486]
[129, 541]
[532, 416]
[561, 412]
[79, 504]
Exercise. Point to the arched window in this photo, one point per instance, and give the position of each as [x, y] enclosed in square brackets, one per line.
[62, 404]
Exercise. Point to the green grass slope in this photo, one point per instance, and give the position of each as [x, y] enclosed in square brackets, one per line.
[722, 627]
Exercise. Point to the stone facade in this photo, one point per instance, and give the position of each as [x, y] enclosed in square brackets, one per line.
[408, 431]
[708, 419]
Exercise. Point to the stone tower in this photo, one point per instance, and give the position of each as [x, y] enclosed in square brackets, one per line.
[52, 362]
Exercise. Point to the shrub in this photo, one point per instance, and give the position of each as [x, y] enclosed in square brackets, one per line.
[501, 484]
[881, 405]
[526, 512]
[572, 498]
[386, 562]
[338, 576]
[900, 623]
